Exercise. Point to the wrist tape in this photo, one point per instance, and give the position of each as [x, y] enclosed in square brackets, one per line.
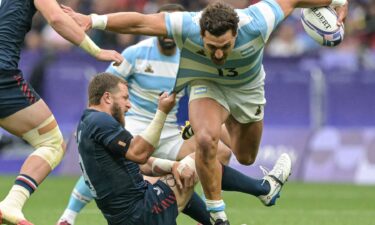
[99, 21]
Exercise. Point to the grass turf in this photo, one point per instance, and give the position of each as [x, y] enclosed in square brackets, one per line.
[300, 204]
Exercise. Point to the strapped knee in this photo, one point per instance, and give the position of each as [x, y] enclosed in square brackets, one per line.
[48, 141]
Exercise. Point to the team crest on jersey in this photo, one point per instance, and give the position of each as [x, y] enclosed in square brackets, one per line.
[149, 69]
[158, 190]
[259, 111]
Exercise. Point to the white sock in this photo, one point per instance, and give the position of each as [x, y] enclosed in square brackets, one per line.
[69, 216]
[16, 197]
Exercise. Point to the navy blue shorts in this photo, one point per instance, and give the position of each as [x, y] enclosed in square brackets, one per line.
[160, 206]
[15, 93]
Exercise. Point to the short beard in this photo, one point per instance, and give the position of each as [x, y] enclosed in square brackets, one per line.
[118, 114]
[166, 45]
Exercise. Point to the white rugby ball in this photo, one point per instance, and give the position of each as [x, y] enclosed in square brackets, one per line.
[321, 25]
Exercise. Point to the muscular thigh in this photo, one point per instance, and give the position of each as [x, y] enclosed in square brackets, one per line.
[187, 148]
[245, 139]
[182, 196]
[27, 118]
[208, 108]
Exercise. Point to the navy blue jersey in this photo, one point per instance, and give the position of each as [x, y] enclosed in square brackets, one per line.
[15, 21]
[115, 182]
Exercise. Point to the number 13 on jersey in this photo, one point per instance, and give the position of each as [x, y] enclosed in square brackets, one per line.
[227, 72]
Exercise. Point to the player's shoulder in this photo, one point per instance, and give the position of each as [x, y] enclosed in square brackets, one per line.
[140, 47]
[146, 43]
[93, 118]
[244, 17]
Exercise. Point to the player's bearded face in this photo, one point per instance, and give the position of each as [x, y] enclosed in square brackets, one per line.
[166, 43]
[118, 113]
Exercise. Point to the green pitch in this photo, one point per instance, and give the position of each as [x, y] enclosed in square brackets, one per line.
[300, 204]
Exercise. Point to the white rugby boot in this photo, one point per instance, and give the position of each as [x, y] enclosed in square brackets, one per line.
[276, 178]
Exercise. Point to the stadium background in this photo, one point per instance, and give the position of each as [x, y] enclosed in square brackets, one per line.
[320, 107]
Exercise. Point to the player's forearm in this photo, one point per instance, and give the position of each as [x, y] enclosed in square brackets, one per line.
[62, 23]
[136, 23]
[157, 167]
[67, 28]
[139, 150]
[289, 5]
[317, 3]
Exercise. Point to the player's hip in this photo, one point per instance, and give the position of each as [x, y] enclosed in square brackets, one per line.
[245, 104]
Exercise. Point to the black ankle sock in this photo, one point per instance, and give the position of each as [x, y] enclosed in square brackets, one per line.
[233, 180]
[196, 209]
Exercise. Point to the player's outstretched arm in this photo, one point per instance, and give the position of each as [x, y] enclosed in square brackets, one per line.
[144, 144]
[289, 5]
[67, 28]
[123, 22]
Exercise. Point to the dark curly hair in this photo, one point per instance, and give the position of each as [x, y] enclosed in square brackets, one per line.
[217, 18]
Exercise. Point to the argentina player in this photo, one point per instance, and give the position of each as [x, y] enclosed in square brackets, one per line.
[221, 60]
[22, 112]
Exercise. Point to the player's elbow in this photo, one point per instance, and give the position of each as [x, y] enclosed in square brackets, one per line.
[139, 157]
[56, 19]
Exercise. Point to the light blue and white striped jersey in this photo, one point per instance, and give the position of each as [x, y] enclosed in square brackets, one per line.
[148, 73]
[244, 63]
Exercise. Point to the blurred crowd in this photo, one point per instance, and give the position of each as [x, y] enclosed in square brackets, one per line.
[357, 50]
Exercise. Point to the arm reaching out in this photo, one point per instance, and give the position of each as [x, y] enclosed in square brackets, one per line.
[341, 6]
[68, 29]
[123, 22]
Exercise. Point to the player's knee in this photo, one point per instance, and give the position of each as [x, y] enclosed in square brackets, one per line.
[224, 154]
[47, 141]
[207, 142]
[246, 159]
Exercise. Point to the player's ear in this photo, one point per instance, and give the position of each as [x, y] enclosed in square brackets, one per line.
[107, 97]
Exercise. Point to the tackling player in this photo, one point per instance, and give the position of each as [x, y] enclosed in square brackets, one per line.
[22, 112]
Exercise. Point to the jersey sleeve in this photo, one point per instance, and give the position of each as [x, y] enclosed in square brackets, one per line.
[108, 132]
[267, 15]
[178, 26]
[125, 69]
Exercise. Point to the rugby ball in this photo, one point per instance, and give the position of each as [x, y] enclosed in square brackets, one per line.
[321, 25]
